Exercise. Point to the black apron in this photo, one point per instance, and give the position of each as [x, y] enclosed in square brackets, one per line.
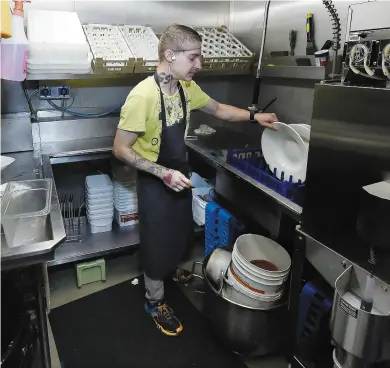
[166, 225]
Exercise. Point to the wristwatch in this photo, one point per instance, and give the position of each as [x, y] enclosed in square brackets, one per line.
[252, 111]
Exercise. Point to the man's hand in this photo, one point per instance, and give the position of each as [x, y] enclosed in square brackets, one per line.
[267, 120]
[176, 181]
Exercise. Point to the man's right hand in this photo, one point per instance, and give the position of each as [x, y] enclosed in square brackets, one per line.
[176, 181]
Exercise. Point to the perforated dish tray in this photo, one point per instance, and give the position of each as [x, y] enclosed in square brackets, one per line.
[109, 49]
[143, 42]
[221, 50]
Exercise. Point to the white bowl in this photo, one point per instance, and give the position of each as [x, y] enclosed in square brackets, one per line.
[285, 151]
[303, 132]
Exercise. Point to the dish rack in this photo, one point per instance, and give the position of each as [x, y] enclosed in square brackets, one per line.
[144, 44]
[109, 49]
[253, 164]
[221, 228]
[221, 50]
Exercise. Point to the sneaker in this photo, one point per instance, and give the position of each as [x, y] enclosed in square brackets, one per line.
[164, 318]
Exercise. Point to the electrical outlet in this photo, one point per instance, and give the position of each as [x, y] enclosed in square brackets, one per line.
[54, 92]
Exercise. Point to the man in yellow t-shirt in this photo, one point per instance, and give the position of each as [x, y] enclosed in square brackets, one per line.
[150, 137]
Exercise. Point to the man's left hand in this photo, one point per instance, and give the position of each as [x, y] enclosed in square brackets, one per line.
[267, 120]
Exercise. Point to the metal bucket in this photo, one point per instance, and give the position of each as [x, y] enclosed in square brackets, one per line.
[362, 338]
[245, 330]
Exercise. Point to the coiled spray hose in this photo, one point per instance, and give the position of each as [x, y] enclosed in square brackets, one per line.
[336, 26]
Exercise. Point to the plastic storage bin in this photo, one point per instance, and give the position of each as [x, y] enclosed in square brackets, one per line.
[199, 204]
[201, 189]
[24, 208]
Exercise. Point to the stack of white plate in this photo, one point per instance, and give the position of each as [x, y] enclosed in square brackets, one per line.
[125, 202]
[99, 195]
[286, 151]
[54, 48]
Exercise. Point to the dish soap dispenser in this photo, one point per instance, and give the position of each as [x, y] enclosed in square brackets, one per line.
[5, 25]
[14, 50]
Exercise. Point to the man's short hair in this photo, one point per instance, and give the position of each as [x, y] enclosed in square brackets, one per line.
[175, 37]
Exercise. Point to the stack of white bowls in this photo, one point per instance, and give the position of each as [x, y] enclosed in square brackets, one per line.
[259, 268]
[125, 201]
[99, 195]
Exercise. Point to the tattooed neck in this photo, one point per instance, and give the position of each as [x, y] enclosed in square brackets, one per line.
[165, 78]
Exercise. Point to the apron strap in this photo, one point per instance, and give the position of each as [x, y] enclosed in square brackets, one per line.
[163, 115]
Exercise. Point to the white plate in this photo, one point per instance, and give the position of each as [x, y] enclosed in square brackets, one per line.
[306, 126]
[303, 132]
[285, 150]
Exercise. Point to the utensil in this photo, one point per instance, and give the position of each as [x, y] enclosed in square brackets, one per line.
[303, 132]
[310, 46]
[285, 153]
[306, 126]
[292, 36]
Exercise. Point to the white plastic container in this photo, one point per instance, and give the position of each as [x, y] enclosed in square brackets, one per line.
[126, 218]
[100, 196]
[248, 292]
[199, 205]
[101, 212]
[266, 286]
[14, 51]
[99, 201]
[101, 225]
[50, 41]
[99, 206]
[98, 182]
[251, 247]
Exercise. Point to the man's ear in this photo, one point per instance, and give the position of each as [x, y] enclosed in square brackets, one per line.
[169, 55]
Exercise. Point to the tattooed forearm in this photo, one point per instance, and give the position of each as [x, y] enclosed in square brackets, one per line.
[132, 158]
[165, 78]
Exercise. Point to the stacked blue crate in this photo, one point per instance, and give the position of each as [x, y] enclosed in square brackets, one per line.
[221, 228]
[314, 314]
[211, 227]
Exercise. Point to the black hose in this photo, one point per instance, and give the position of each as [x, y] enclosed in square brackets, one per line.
[336, 25]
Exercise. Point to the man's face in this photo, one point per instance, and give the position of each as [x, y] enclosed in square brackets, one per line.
[187, 62]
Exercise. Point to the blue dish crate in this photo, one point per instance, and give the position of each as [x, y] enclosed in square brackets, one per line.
[315, 307]
[211, 227]
[221, 228]
[252, 163]
[228, 228]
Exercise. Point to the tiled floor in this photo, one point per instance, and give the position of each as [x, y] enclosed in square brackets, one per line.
[119, 269]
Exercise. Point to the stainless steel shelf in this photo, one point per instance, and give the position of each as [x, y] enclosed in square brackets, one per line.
[95, 245]
[295, 72]
[113, 76]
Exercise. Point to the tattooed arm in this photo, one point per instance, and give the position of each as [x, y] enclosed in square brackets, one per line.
[123, 150]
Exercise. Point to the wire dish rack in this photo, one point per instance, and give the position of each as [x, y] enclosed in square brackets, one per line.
[109, 49]
[221, 50]
[252, 163]
[143, 42]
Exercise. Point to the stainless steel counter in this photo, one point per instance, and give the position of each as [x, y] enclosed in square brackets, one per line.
[218, 159]
[59, 142]
[27, 166]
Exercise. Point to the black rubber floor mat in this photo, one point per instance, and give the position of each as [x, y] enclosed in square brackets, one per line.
[110, 329]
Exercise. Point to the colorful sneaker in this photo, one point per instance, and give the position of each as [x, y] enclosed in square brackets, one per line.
[164, 318]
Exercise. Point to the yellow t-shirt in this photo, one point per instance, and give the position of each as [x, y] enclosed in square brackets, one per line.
[141, 113]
